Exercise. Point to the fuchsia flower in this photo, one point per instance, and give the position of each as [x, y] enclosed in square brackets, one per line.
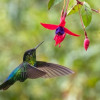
[86, 43]
[60, 32]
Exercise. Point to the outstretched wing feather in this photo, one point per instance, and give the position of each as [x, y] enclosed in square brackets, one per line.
[53, 70]
[21, 73]
[33, 72]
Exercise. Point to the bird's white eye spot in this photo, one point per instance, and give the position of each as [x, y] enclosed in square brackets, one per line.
[29, 53]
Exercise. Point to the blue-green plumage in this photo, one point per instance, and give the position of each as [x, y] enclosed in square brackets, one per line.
[30, 68]
[13, 73]
[24, 70]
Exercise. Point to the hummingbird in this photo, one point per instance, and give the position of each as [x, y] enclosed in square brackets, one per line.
[32, 69]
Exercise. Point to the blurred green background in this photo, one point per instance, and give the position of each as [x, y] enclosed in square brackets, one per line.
[20, 30]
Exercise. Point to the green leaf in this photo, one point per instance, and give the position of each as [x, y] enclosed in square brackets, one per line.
[86, 14]
[50, 4]
[74, 9]
[53, 3]
[72, 3]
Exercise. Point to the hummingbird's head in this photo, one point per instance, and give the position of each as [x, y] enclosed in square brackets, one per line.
[30, 55]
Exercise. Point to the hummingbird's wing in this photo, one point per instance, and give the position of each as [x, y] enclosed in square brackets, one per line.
[21, 73]
[33, 72]
[52, 70]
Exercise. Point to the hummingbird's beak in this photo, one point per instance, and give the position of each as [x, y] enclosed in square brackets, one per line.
[38, 45]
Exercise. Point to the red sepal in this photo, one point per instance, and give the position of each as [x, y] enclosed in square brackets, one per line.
[49, 26]
[62, 22]
[69, 32]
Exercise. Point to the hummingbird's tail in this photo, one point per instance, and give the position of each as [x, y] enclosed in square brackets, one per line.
[6, 85]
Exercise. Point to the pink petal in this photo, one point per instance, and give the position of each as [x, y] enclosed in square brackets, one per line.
[62, 37]
[56, 38]
[62, 22]
[49, 26]
[59, 38]
[69, 32]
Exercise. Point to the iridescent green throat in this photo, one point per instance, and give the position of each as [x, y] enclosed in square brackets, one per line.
[31, 59]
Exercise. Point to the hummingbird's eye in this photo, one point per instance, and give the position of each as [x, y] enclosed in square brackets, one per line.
[29, 53]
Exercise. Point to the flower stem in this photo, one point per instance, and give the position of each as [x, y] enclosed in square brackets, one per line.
[97, 11]
[81, 3]
[67, 6]
[64, 4]
[82, 23]
[62, 12]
